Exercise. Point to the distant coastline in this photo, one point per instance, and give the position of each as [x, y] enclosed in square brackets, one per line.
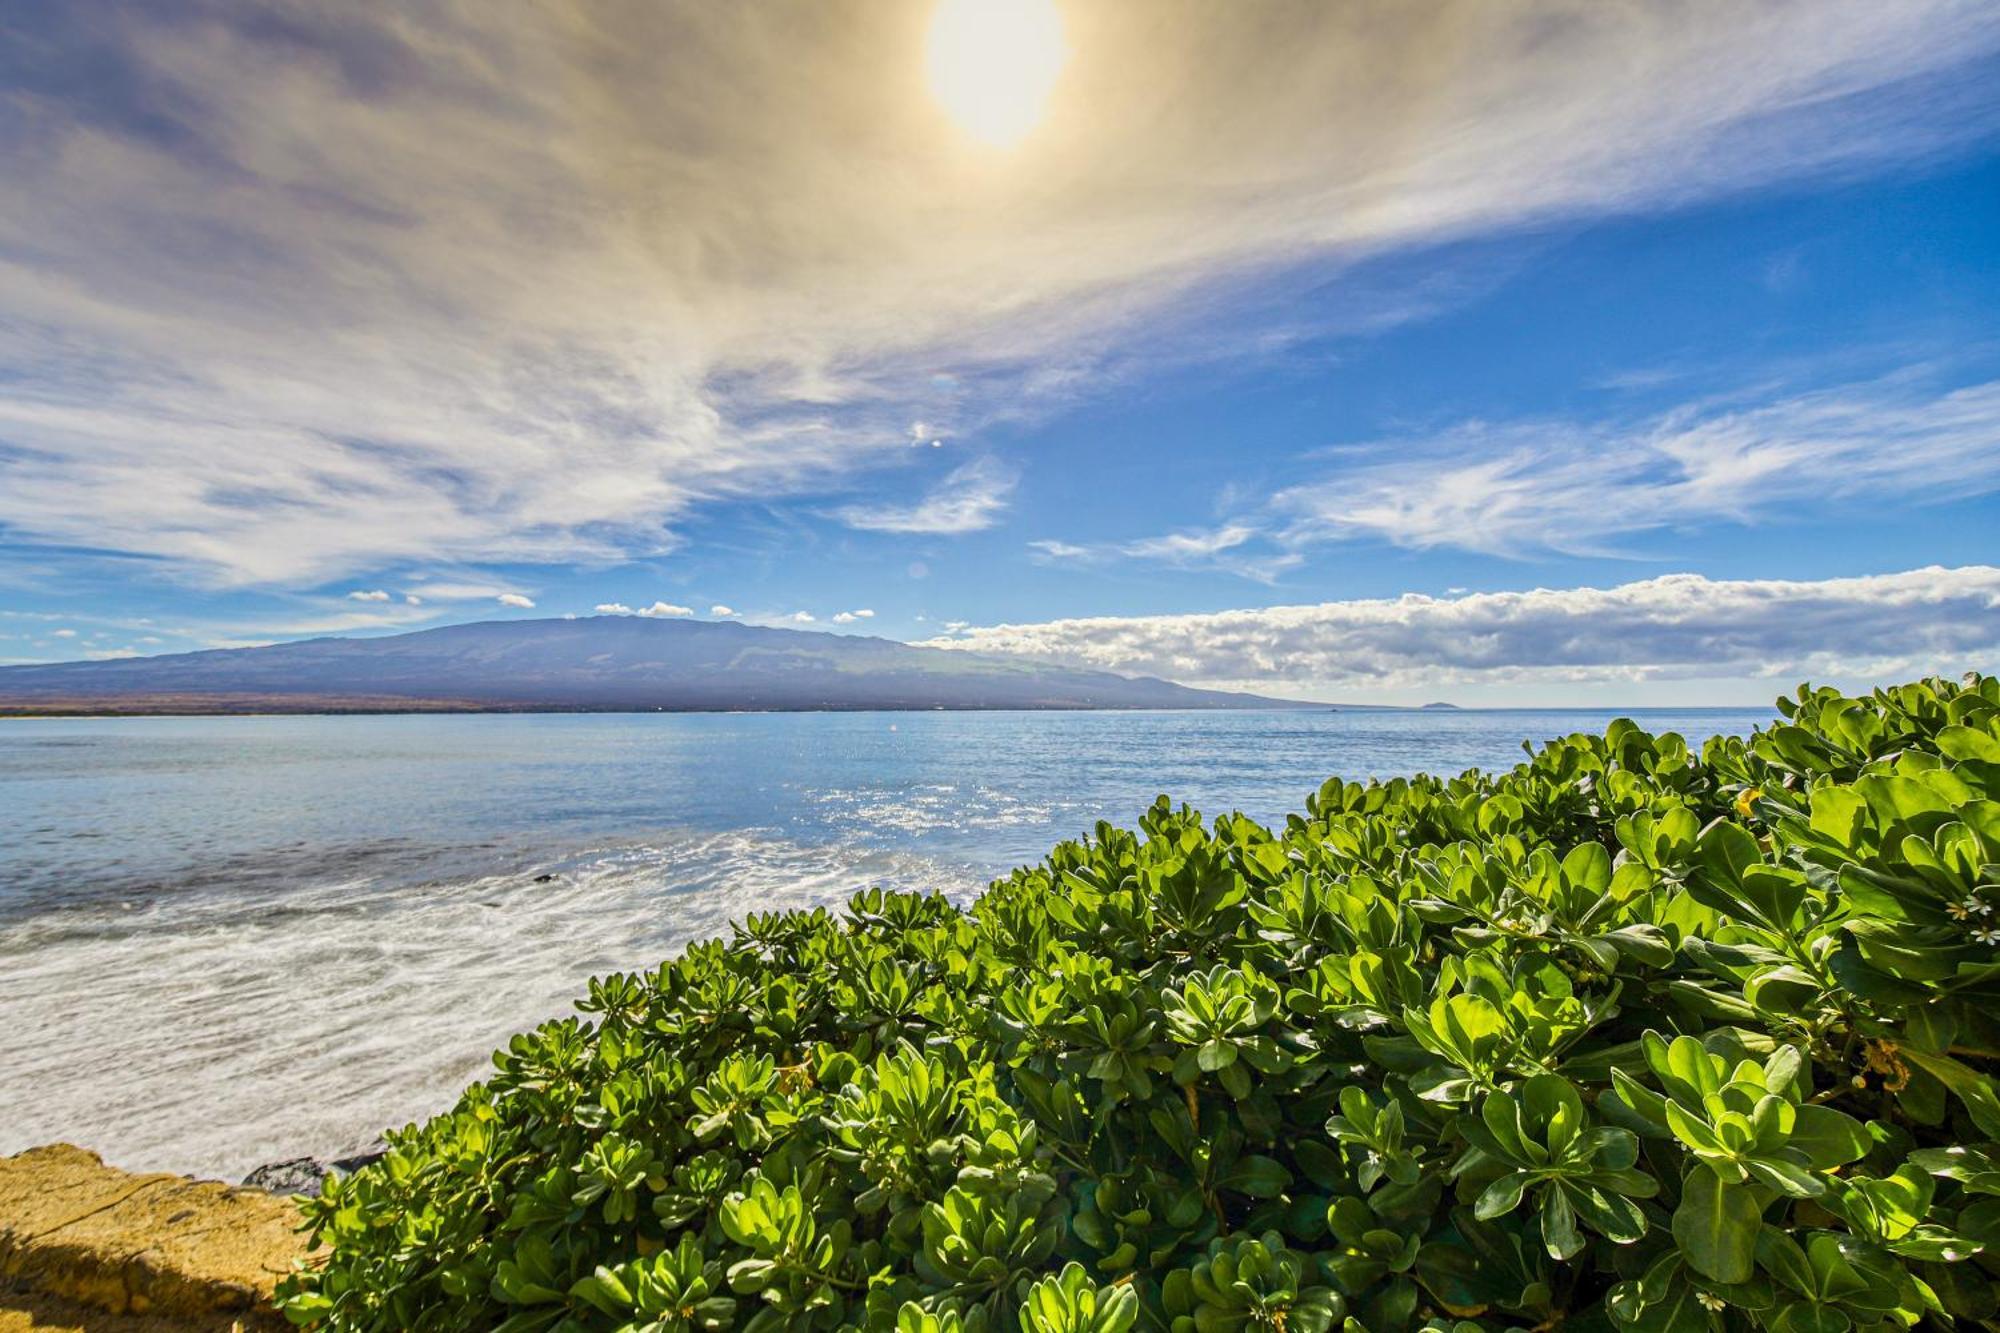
[301, 706]
[349, 706]
[597, 664]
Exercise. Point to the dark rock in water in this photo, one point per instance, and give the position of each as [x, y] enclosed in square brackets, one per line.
[544, 879]
[303, 1175]
[299, 1175]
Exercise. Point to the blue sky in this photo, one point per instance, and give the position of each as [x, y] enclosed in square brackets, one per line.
[1390, 373]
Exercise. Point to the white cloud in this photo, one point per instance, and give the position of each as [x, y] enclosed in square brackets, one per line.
[524, 283]
[1221, 548]
[64, 633]
[803, 617]
[864, 613]
[453, 591]
[1524, 488]
[972, 497]
[1184, 546]
[1538, 486]
[663, 609]
[843, 617]
[111, 654]
[373, 595]
[612, 609]
[1679, 626]
[720, 610]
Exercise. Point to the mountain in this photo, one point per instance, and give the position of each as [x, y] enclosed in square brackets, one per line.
[593, 664]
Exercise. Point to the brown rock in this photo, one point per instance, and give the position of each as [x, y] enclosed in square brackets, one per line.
[162, 1246]
[25, 1311]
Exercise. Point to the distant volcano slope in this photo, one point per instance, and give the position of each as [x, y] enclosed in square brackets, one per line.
[600, 664]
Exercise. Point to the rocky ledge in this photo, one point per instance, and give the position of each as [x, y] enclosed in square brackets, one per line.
[181, 1253]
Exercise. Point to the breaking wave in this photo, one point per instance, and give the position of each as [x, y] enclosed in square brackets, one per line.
[208, 1032]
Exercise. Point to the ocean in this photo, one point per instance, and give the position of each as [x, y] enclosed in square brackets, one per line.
[229, 941]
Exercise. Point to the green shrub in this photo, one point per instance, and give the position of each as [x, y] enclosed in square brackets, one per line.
[1625, 1038]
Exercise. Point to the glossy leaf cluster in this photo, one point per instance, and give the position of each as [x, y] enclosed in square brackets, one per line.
[1626, 1038]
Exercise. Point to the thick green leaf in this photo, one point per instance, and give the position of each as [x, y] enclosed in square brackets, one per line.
[1716, 1226]
[1827, 1137]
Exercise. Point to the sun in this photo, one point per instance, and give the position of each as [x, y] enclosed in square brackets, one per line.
[993, 63]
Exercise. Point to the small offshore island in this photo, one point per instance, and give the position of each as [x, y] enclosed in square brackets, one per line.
[1620, 1037]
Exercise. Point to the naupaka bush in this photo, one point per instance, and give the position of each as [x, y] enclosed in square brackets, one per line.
[1627, 1037]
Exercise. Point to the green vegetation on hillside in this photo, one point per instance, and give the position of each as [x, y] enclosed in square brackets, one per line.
[1627, 1037]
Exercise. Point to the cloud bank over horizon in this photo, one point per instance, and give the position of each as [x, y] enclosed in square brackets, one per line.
[1676, 627]
[1673, 639]
[295, 295]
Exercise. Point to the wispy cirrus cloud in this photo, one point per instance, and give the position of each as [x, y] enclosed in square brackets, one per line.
[1224, 548]
[295, 617]
[292, 294]
[1678, 626]
[1527, 487]
[972, 497]
[1178, 547]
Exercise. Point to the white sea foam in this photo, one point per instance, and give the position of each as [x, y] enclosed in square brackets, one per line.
[208, 1032]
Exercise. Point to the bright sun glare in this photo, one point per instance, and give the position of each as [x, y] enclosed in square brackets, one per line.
[993, 63]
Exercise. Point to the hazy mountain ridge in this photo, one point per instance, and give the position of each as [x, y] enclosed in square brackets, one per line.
[604, 663]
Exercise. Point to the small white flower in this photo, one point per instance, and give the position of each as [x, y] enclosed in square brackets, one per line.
[1988, 935]
[1710, 1301]
[1960, 911]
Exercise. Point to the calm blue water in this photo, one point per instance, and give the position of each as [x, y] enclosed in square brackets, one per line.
[225, 941]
